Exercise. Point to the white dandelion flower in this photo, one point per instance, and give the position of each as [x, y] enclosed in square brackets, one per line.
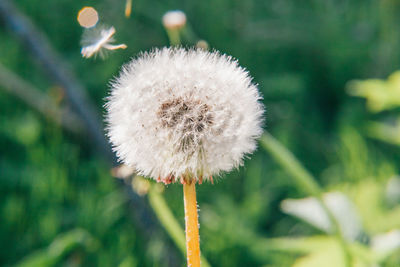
[174, 19]
[98, 40]
[176, 114]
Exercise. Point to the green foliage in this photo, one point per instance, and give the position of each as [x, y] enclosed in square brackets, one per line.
[381, 95]
[61, 245]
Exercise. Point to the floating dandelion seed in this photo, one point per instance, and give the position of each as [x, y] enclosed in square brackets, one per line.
[88, 17]
[183, 115]
[173, 20]
[99, 40]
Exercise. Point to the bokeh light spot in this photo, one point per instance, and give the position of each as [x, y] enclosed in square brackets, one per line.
[88, 17]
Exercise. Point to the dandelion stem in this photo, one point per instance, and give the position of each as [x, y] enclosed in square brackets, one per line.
[191, 225]
[168, 221]
[174, 37]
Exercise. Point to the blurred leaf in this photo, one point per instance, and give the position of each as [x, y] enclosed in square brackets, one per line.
[62, 245]
[354, 155]
[369, 197]
[128, 262]
[392, 192]
[311, 211]
[28, 130]
[318, 250]
[380, 94]
[385, 132]
[301, 245]
[329, 254]
[305, 181]
[386, 244]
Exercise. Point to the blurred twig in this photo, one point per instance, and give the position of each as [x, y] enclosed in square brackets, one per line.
[39, 101]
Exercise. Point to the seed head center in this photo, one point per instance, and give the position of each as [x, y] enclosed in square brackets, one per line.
[188, 120]
[188, 115]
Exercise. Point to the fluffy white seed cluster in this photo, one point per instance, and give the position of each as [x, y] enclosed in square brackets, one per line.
[183, 115]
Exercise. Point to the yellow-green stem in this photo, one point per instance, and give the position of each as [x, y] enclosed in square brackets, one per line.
[174, 36]
[165, 216]
[191, 225]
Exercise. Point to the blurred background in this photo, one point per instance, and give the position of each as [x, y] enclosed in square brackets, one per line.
[327, 71]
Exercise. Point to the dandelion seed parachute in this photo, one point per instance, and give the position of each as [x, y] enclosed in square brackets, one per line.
[99, 40]
[183, 115]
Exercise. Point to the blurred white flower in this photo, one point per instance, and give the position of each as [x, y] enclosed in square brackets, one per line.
[176, 114]
[140, 185]
[122, 171]
[386, 243]
[393, 190]
[174, 19]
[311, 211]
[99, 40]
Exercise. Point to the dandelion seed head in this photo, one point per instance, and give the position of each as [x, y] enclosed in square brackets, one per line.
[174, 19]
[178, 115]
[88, 17]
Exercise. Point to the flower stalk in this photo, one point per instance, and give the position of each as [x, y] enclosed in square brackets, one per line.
[174, 37]
[174, 21]
[191, 225]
